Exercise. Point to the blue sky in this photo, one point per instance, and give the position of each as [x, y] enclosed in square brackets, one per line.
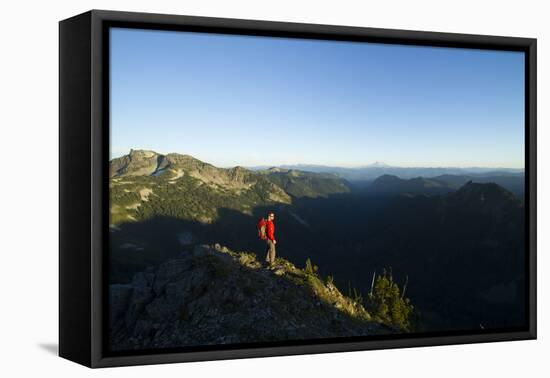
[240, 100]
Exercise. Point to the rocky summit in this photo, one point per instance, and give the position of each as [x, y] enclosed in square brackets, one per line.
[212, 295]
[145, 183]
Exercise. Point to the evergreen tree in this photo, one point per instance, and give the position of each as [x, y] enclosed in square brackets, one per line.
[310, 268]
[387, 304]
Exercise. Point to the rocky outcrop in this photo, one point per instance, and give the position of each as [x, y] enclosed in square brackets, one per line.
[215, 296]
[137, 163]
[173, 166]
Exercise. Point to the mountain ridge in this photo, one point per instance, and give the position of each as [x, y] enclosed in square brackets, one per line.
[143, 178]
[351, 234]
[372, 171]
[390, 184]
[212, 295]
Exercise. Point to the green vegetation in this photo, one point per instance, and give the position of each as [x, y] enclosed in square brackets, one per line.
[388, 305]
[304, 279]
[211, 293]
[248, 259]
[357, 297]
[142, 197]
[310, 269]
[307, 184]
[478, 228]
[193, 190]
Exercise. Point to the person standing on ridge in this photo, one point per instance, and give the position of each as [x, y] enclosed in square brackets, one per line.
[270, 239]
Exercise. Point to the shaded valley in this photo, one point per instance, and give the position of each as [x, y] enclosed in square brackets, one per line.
[454, 243]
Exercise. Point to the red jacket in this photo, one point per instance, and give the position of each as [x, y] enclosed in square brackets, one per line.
[270, 230]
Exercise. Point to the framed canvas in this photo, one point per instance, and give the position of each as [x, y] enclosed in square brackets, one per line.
[236, 188]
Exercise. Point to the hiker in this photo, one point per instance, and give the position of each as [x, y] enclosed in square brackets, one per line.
[266, 231]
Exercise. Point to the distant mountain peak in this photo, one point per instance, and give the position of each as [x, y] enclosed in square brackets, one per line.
[276, 170]
[378, 164]
[391, 184]
[483, 191]
[147, 162]
[484, 198]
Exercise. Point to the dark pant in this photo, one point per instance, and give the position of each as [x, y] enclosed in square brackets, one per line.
[270, 252]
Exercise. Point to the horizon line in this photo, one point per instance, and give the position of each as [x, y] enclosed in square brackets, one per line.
[376, 164]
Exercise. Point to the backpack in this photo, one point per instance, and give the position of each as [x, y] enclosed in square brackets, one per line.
[261, 226]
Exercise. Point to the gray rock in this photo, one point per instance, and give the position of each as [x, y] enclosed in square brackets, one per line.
[207, 297]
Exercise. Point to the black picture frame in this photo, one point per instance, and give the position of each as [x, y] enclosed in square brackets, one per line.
[83, 173]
